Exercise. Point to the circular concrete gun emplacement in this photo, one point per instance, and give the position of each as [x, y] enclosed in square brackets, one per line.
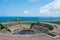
[25, 29]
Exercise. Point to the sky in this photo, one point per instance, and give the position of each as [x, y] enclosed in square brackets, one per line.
[30, 8]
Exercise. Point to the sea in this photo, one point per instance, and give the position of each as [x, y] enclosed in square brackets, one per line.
[46, 19]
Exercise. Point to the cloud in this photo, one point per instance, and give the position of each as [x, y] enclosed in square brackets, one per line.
[26, 11]
[51, 10]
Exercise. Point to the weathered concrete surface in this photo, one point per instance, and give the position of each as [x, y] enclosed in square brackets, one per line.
[4, 37]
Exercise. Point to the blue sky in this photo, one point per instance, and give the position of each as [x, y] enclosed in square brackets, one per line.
[24, 8]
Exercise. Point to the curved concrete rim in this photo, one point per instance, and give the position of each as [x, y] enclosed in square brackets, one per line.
[23, 35]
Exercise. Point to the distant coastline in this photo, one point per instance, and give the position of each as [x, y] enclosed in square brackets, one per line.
[46, 19]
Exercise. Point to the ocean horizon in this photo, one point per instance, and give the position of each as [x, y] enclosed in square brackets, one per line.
[47, 19]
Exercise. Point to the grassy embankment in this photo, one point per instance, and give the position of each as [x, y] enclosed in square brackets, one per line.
[18, 21]
[56, 22]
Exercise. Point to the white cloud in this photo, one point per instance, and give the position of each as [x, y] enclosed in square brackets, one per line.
[51, 10]
[26, 11]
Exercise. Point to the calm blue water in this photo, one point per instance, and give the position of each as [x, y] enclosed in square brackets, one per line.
[3, 19]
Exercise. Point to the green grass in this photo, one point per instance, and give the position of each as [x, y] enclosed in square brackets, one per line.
[37, 23]
[56, 22]
[19, 21]
[45, 26]
[50, 28]
[3, 27]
